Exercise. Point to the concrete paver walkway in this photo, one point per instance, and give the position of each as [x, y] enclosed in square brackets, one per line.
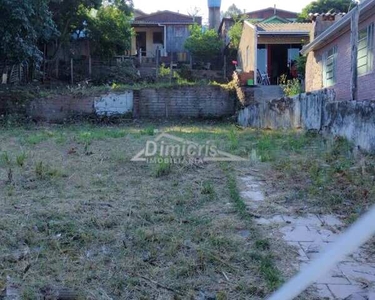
[310, 235]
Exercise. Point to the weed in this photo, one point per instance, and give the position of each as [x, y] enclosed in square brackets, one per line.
[262, 244]
[20, 159]
[5, 159]
[207, 188]
[150, 130]
[290, 87]
[162, 167]
[233, 139]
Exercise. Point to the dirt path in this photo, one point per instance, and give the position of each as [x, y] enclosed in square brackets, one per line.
[306, 236]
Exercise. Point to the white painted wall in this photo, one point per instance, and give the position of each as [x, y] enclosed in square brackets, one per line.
[114, 104]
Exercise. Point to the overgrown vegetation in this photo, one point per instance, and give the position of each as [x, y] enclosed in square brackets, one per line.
[98, 224]
[203, 45]
[325, 6]
[291, 87]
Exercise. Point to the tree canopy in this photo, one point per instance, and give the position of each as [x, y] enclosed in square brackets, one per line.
[232, 12]
[324, 6]
[203, 45]
[110, 30]
[22, 24]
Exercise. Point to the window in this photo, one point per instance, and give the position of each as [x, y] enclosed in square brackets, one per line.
[158, 38]
[329, 67]
[366, 50]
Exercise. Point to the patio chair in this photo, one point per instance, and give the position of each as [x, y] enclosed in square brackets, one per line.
[263, 78]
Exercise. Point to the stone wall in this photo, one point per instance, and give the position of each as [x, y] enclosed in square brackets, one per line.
[354, 120]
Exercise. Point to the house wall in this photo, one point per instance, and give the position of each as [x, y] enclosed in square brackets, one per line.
[282, 39]
[176, 37]
[247, 51]
[314, 68]
[149, 39]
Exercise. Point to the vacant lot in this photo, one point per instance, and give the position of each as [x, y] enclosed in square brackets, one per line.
[80, 220]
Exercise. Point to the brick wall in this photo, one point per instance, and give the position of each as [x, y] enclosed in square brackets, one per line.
[314, 82]
[192, 102]
[247, 48]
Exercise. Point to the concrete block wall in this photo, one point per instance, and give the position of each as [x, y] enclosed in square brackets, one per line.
[185, 102]
[177, 102]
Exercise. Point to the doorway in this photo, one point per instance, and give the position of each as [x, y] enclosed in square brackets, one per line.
[141, 42]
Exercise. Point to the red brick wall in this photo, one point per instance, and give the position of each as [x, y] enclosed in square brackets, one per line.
[366, 83]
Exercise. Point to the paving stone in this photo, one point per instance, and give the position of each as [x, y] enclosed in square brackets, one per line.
[299, 234]
[330, 220]
[314, 249]
[301, 254]
[323, 291]
[334, 276]
[344, 291]
[308, 220]
[253, 195]
[328, 235]
[356, 272]
[269, 221]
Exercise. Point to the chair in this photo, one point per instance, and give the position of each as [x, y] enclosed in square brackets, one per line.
[263, 78]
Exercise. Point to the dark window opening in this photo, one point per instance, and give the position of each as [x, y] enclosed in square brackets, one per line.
[158, 38]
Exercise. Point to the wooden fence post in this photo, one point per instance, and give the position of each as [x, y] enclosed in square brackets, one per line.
[354, 53]
[90, 66]
[71, 71]
[157, 63]
[171, 69]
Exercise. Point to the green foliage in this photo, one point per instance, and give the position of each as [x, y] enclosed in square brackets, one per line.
[301, 65]
[235, 33]
[22, 25]
[232, 12]
[164, 71]
[324, 6]
[111, 31]
[290, 87]
[203, 45]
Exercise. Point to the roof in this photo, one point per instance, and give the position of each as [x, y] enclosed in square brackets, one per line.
[269, 12]
[166, 17]
[339, 27]
[284, 28]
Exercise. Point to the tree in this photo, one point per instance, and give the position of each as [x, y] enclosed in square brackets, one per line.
[203, 45]
[232, 12]
[324, 6]
[23, 24]
[110, 30]
[235, 33]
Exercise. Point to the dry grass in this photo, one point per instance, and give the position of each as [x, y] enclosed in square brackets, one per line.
[79, 217]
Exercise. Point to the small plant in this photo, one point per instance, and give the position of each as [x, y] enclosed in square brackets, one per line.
[39, 170]
[290, 87]
[20, 159]
[233, 139]
[207, 188]
[5, 159]
[150, 130]
[164, 71]
[163, 168]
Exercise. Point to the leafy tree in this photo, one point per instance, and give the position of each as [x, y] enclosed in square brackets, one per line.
[235, 33]
[22, 24]
[70, 16]
[232, 12]
[203, 45]
[324, 6]
[110, 30]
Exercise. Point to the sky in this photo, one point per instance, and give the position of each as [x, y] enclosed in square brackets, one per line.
[184, 6]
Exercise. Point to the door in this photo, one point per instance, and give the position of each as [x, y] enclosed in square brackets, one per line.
[262, 59]
[141, 42]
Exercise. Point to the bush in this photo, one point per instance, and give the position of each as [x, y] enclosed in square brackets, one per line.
[290, 87]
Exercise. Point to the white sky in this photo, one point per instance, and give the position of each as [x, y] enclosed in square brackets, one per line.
[183, 6]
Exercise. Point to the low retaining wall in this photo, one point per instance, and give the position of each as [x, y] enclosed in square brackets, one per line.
[192, 102]
[176, 102]
[354, 120]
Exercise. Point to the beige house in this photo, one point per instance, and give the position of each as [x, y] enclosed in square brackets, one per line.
[166, 31]
[272, 48]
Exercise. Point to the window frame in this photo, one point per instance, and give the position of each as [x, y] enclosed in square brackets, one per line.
[368, 36]
[330, 55]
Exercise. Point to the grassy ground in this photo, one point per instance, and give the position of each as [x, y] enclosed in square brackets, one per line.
[79, 218]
